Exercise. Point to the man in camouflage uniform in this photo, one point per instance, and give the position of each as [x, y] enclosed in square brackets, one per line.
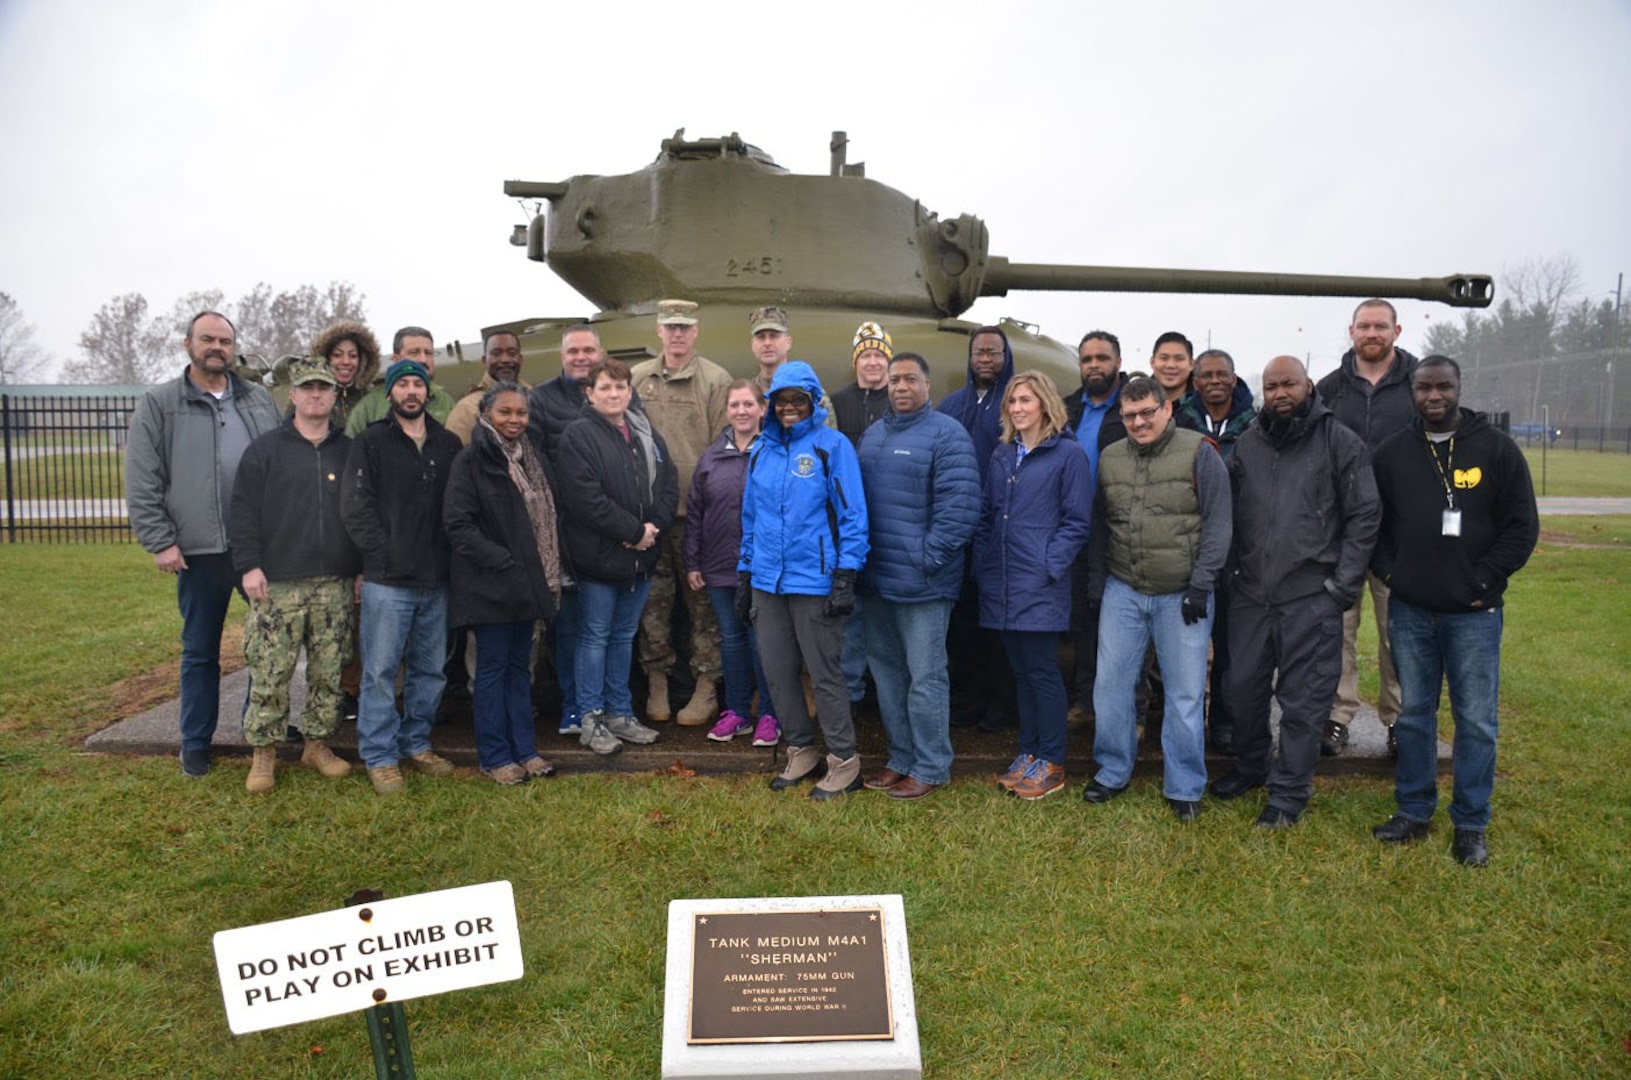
[299, 570]
[684, 395]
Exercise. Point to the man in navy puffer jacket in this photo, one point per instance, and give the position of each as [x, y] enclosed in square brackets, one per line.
[923, 491]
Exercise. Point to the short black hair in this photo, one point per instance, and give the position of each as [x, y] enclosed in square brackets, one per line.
[1439, 360]
[1101, 335]
[503, 386]
[1209, 353]
[1173, 336]
[911, 356]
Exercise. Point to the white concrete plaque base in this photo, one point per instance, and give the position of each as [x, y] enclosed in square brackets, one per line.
[872, 1059]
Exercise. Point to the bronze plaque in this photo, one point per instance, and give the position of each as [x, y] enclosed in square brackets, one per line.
[789, 976]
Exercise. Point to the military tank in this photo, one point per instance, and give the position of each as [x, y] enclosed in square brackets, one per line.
[717, 221]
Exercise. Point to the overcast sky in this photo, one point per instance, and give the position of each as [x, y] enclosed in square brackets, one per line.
[168, 146]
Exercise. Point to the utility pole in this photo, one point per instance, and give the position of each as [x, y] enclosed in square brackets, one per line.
[1613, 354]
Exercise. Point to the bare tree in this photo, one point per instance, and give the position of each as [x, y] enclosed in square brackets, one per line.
[21, 358]
[1543, 283]
[122, 345]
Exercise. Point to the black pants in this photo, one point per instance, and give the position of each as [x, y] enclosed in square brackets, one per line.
[1303, 639]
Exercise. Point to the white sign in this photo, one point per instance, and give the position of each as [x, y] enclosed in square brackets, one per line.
[342, 961]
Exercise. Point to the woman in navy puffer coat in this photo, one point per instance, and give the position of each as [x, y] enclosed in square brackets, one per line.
[1035, 518]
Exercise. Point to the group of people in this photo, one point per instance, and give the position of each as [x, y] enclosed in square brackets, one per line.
[1176, 533]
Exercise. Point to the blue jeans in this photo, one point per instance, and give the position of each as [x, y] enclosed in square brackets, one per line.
[502, 700]
[1039, 691]
[203, 591]
[739, 653]
[854, 658]
[566, 651]
[608, 616]
[408, 627]
[1429, 648]
[1128, 619]
[906, 645]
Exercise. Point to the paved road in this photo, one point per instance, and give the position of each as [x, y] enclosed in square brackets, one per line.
[1565, 504]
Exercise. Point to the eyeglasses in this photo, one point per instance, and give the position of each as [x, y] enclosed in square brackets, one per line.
[989, 354]
[1141, 416]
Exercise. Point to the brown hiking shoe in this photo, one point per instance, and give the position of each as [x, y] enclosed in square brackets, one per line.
[843, 776]
[1041, 779]
[387, 780]
[318, 756]
[658, 710]
[431, 763]
[262, 771]
[702, 706]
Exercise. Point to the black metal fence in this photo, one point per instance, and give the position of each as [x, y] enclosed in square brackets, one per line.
[65, 467]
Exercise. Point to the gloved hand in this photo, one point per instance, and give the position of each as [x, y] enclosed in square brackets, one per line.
[744, 597]
[841, 601]
[1194, 605]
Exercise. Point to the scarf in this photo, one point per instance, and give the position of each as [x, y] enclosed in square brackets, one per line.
[528, 477]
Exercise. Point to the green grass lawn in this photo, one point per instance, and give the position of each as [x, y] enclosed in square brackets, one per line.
[1580, 472]
[84, 474]
[1048, 940]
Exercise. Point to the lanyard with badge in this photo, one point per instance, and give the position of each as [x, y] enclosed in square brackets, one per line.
[1451, 524]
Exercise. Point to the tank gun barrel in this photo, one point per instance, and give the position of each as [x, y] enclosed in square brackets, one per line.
[1457, 290]
[534, 189]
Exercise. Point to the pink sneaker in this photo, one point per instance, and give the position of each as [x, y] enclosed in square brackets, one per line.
[767, 732]
[730, 725]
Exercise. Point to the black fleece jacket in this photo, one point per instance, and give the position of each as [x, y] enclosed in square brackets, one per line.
[392, 502]
[285, 516]
[1499, 522]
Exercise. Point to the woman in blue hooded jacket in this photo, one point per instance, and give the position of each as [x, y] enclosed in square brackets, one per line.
[804, 538]
[1035, 517]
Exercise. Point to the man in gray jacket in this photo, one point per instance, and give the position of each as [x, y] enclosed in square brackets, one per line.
[185, 441]
[1306, 516]
[1369, 393]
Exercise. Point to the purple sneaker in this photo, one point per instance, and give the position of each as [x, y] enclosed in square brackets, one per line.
[730, 725]
[767, 732]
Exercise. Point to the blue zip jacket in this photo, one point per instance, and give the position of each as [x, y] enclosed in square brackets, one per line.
[923, 502]
[803, 512]
[1036, 517]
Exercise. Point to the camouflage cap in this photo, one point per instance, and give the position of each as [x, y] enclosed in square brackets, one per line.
[769, 317]
[310, 369]
[682, 312]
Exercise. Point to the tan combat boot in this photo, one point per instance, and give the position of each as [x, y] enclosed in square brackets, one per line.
[843, 776]
[318, 756]
[803, 763]
[702, 706]
[658, 711]
[262, 771]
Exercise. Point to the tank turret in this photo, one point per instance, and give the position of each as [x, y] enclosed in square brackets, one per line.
[718, 221]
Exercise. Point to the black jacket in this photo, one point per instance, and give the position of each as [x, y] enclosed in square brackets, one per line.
[855, 409]
[1306, 509]
[392, 502]
[553, 405]
[495, 573]
[285, 515]
[1110, 428]
[1371, 412]
[1499, 521]
[607, 495]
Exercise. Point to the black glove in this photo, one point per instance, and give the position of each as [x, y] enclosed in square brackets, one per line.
[744, 597]
[841, 601]
[1194, 605]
